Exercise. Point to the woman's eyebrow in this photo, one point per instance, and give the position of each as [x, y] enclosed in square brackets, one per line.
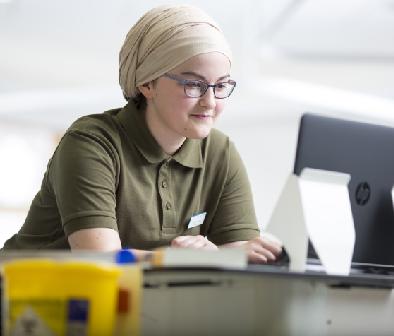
[192, 73]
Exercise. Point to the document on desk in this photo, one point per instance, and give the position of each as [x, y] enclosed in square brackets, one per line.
[316, 205]
[328, 217]
[187, 257]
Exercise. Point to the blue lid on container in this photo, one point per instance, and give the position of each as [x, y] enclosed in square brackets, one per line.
[125, 257]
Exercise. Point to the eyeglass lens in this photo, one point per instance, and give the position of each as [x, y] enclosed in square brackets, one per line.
[196, 89]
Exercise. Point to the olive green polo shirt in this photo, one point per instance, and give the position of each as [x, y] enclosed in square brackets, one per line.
[109, 172]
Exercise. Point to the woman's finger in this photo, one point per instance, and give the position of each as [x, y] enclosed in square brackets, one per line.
[188, 241]
[257, 247]
[256, 258]
[273, 246]
[195, 242]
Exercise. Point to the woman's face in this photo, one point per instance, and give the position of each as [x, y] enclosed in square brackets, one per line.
[173, 115]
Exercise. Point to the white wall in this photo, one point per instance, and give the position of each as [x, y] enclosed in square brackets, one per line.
[267, 146]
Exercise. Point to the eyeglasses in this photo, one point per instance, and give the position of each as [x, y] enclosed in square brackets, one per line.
[195, 88]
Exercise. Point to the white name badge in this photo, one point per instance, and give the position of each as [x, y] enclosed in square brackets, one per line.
[196, 220]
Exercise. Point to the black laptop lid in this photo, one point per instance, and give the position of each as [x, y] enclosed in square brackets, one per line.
[366, 152]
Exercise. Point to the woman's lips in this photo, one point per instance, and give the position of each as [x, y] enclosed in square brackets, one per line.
[201, 116]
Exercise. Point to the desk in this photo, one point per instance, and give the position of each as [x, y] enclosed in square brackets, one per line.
[260, 300]
[265, 301]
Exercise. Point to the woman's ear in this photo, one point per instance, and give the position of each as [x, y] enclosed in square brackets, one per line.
[147, 90]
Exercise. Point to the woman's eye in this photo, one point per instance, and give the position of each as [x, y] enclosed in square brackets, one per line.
[194, 85]
[221, 86]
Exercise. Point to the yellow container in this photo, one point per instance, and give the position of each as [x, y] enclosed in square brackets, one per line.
[47, 297]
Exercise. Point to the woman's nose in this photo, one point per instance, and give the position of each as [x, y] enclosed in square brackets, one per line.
[208, 99]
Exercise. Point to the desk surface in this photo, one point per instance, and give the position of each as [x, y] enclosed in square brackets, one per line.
[354, 279]
[265, 300]
[260, 300]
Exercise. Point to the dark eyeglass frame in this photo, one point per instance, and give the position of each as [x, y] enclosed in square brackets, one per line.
[205, 85]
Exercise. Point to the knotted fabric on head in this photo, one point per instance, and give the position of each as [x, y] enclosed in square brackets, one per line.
[162, 39]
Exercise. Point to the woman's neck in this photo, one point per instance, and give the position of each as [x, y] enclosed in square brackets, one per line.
[168, 140]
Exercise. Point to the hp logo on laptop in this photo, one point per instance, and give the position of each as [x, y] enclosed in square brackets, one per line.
[363, 192]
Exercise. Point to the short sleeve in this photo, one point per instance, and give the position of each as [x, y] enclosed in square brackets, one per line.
[235, 218]
[83, 175]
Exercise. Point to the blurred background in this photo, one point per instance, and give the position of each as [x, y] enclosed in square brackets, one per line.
[59, 61]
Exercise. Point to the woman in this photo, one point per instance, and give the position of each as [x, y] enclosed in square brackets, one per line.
[153, 173]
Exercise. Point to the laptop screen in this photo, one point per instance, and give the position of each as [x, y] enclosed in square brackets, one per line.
[366, 152]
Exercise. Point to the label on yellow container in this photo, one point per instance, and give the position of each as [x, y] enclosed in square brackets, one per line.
[64, 298]
[48, 317]
[128, 312]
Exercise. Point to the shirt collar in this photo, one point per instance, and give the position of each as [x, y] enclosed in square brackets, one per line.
[133, 121]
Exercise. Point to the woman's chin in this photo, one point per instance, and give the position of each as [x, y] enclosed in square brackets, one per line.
[199, 133]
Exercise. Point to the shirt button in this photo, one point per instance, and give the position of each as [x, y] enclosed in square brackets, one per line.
[164, 184]
[168, 206]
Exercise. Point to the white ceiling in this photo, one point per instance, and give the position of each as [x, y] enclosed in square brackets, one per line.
[58, 59]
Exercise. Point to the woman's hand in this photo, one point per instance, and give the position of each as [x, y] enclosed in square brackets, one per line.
[196, 242]
[260, 250]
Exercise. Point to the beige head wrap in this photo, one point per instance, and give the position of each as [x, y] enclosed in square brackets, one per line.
[162, 39]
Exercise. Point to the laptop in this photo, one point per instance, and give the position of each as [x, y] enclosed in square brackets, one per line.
[366, 152]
